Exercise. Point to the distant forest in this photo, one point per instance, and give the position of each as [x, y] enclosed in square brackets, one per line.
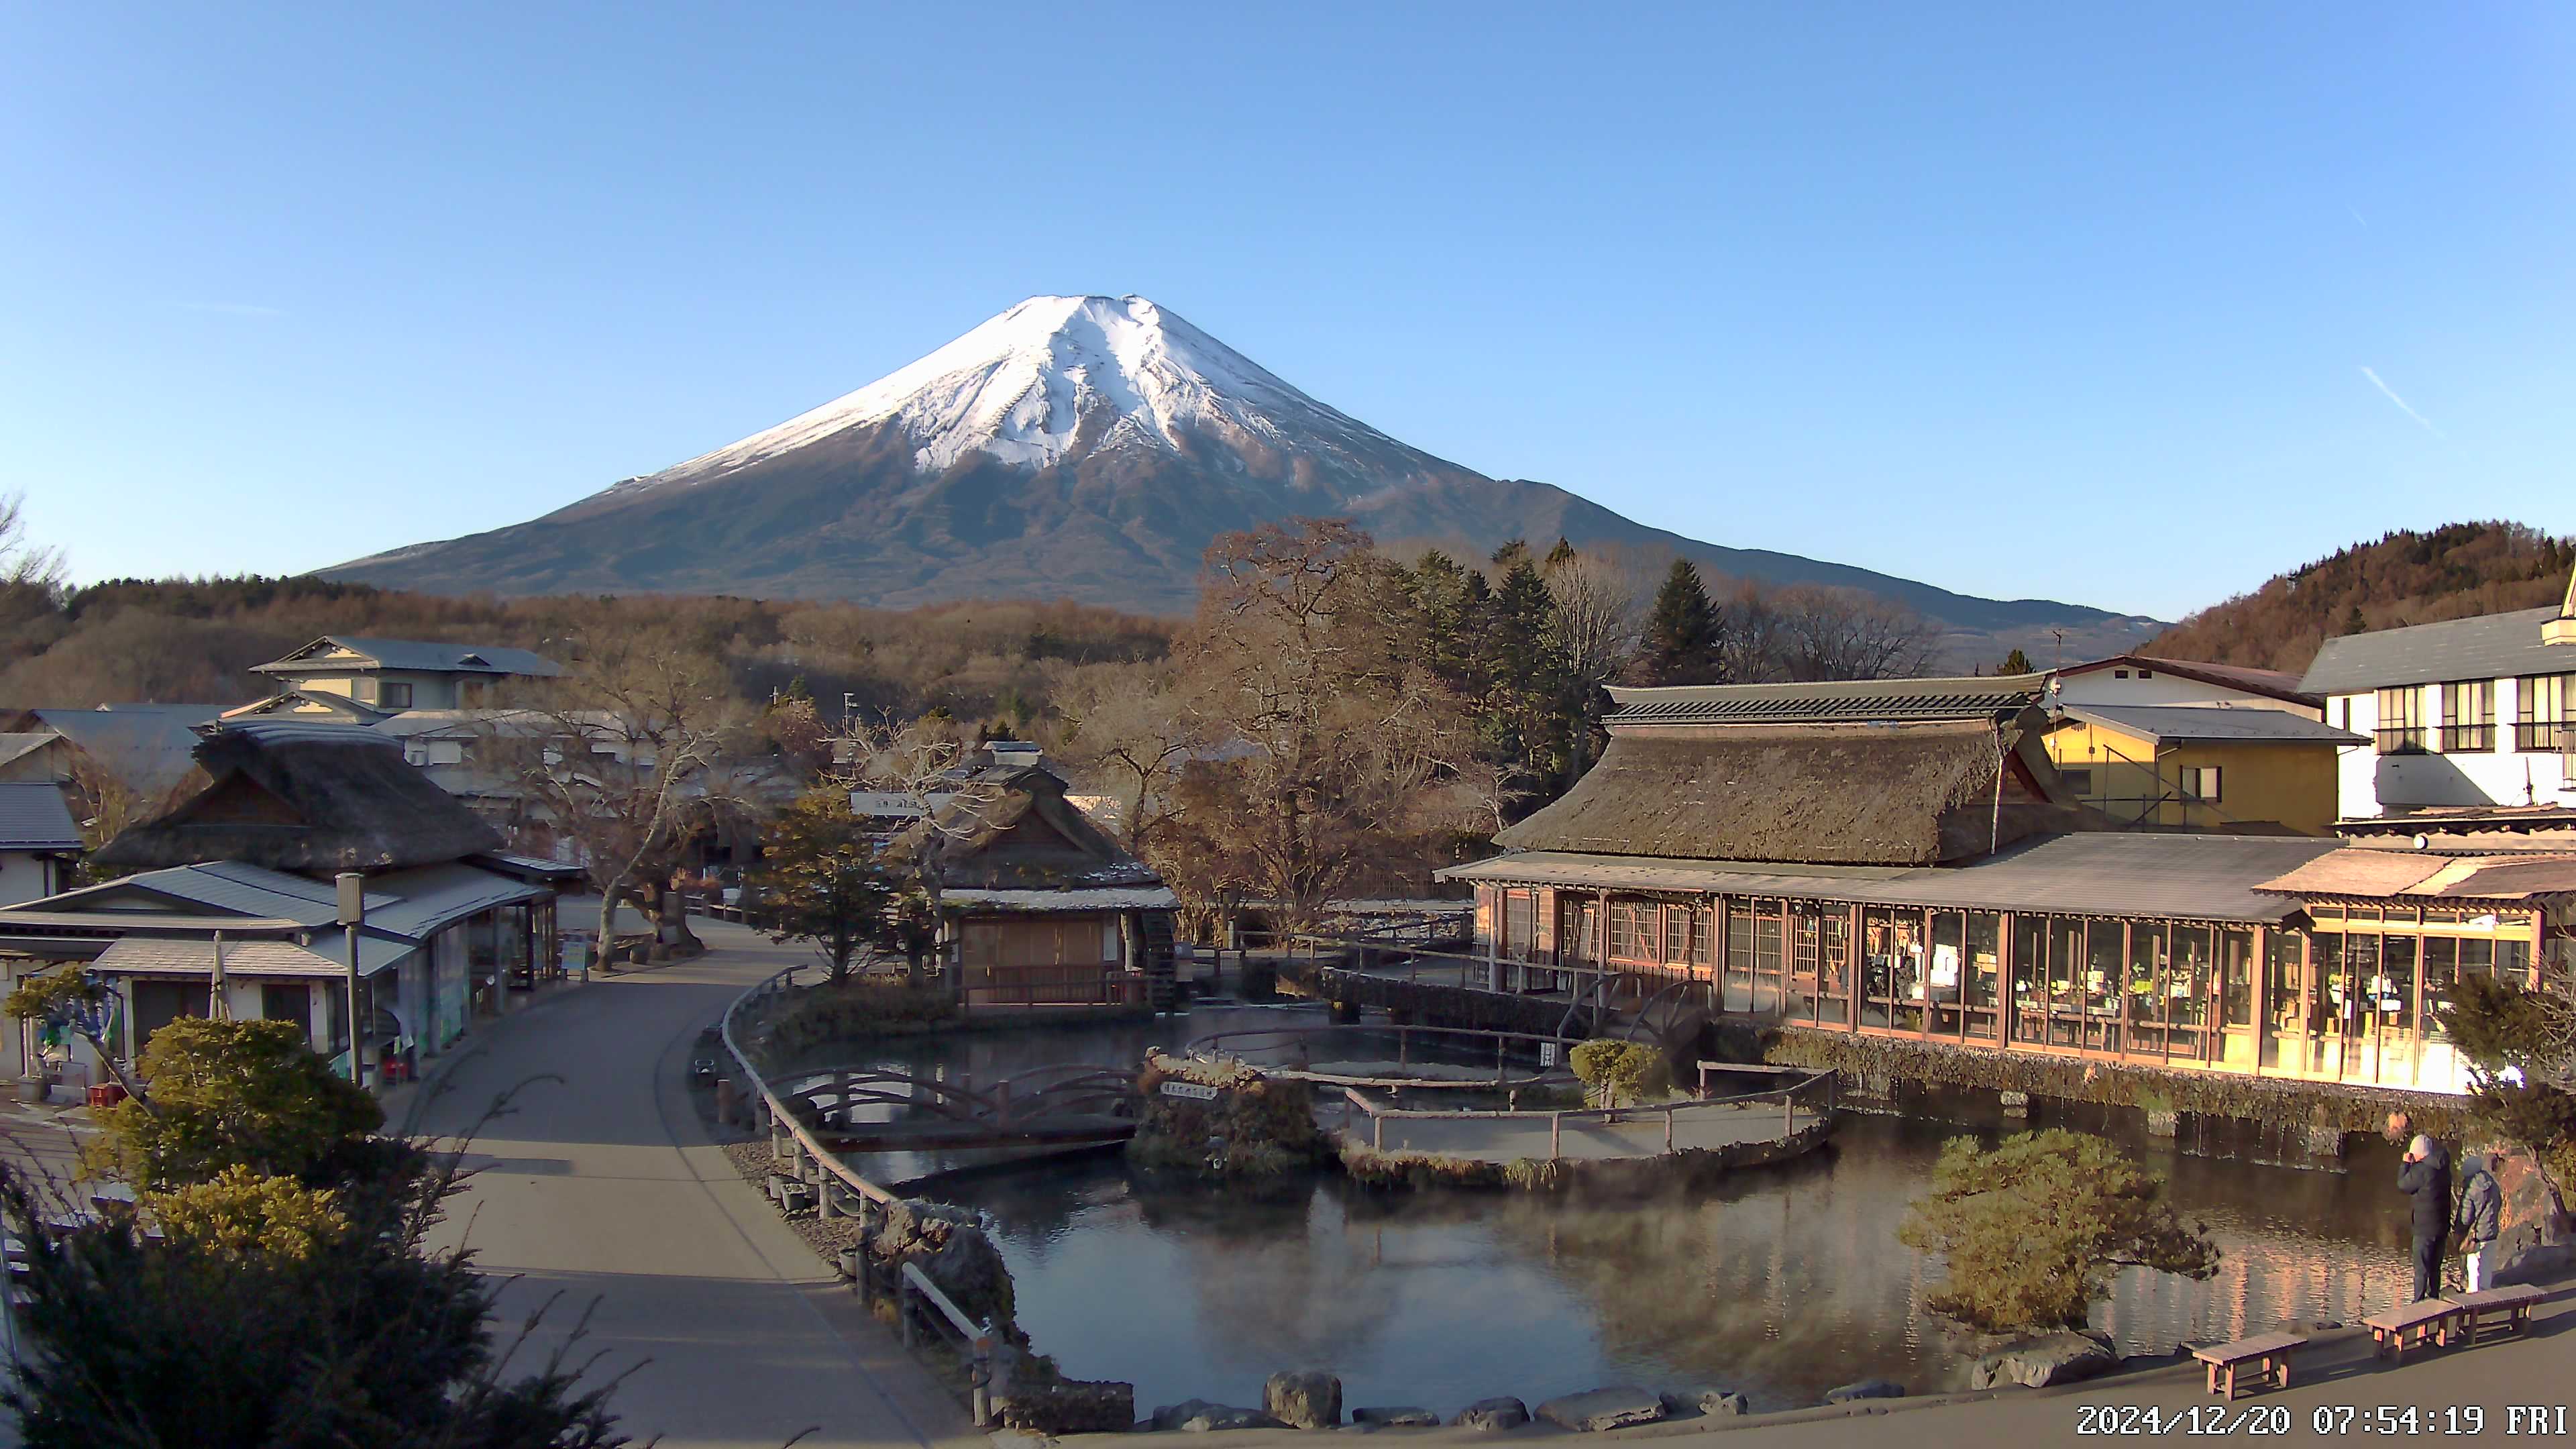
[193, 641]
[2406, 577]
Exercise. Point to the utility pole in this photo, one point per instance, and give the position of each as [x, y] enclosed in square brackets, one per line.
[353, 914]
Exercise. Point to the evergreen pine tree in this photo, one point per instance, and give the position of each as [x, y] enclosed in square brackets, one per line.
[1681, 630]
[2015, 663]
[1562, 553]
[2353, 623]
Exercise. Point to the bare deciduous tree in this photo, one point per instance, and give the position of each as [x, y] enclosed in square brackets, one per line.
[1846, 634]
[1598, 615]
[628, 753]
[1126, 727]
[922, 769]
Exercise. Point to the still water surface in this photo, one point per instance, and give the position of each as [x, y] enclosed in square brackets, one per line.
[1780, 1282]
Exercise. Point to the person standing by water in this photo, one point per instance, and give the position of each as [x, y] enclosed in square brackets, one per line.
[2480, 1218]
[2425, 1176]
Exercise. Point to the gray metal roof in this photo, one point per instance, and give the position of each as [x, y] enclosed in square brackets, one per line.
[2193, 722]
[1828, 701]
[148, 747]
[2490, 646]
[410, 654]
[16, 744]
[34, 817]
[189, 956]
[2174, 877]
[421, 901]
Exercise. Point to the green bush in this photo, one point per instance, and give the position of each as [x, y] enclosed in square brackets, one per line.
[1621, 1073]
[2034, 1228]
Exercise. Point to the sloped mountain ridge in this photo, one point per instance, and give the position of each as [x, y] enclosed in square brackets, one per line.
[1086, 448]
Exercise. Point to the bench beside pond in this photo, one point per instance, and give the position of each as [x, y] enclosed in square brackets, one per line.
[2264, 1358]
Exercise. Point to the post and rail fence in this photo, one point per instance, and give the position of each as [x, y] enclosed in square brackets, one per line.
[803, 1172]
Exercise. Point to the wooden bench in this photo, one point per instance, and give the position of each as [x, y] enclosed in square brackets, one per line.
[2411, 1325]
[2267, 1353]
[2507, 1310]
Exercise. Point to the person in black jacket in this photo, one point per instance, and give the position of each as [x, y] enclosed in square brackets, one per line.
[2480, 1219]
[2425, 1176]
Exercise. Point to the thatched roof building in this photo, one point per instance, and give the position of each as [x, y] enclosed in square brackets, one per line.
[1887, 773]
[305, 798]
[1012, 829]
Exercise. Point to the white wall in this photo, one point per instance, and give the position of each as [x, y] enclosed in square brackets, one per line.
[24, 877]
[2370, 784]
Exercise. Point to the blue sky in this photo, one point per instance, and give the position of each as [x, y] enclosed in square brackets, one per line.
[2023, 301]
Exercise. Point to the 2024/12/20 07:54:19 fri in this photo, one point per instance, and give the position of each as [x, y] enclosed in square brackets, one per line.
[2399, 1420]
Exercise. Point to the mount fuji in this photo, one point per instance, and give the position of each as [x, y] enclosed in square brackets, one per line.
[1083, 448]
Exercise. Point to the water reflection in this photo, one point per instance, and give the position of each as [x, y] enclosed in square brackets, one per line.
[1781, 1283]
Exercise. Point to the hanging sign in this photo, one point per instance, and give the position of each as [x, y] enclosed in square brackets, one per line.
[1191, 1090]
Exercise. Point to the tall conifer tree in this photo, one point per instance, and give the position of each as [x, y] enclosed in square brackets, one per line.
[1681, 631]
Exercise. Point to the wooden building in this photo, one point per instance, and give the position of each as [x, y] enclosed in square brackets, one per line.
[1903, 860]
[1040, 907]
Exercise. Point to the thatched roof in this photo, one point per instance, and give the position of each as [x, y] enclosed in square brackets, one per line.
[305, 798]
[1013, 829]
[1901, 794]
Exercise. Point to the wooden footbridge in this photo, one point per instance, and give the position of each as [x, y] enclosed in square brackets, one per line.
[873, 1109]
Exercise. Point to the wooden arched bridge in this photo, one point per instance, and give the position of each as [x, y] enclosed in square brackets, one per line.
[875, 1109]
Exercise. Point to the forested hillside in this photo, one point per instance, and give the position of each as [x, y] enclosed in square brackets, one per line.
[190, 642]
[2406, 577]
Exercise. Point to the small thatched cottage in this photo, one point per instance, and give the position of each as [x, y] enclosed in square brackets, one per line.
[232, 903]
[1039, 906]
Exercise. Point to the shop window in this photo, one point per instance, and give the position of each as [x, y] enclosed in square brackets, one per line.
[2200, 783]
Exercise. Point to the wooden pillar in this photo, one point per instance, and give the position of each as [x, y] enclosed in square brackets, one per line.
[2007, 1007]
[2307, 1001]
[2261, 1011]
[1855, 949]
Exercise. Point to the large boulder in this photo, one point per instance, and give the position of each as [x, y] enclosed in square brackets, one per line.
[949, 1244]
[1071, 1407]
[2060, 1358]
[1304, 1399]
[1402, 1418]
[1865, 1389]
[2537, 1237]
[1616, 1407]
[1716, 1403]
[1492, 1414]
[1198, 1416]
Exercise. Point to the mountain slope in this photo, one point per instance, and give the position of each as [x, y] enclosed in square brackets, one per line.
[1085, 448]
[2405, 577]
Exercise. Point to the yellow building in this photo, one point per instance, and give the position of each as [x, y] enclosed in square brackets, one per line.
[2211, 768]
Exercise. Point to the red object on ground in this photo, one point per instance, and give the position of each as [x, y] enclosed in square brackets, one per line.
[106, 1094]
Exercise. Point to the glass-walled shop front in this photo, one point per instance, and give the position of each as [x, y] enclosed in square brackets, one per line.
[2343, 993]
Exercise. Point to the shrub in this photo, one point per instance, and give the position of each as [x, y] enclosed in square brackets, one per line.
[1621, 1073]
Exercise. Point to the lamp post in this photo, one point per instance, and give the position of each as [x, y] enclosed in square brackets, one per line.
[353, 914]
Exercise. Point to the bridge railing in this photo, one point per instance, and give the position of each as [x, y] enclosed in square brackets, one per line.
[1818, 1092]
[803, 1171]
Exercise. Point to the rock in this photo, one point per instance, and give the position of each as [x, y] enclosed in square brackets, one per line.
[1071, 1407]
[1396, 1418]
[2537, 1237]
[1492, 1414]
[1304, 1399]
[1716, 1403]
[1198, 1416]
[949, 1244]
[1865, 1389]
[2059, 1358]
[2163, 1122]
[1616, 1407]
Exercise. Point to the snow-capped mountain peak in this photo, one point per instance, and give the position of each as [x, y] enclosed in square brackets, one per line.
[1054, 375]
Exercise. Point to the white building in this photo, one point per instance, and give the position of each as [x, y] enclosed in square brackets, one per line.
[38, 841]
[2472, 722]
[2143, 679]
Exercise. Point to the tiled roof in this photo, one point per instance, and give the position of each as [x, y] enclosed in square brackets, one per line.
[411, 654]
[2490, 646]
[181, 955]
[2395, 875]
[2193, 722]
[1858, 701]
[147, 747]
[34, 817]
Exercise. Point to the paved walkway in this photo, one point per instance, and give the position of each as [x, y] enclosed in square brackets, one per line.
[602, 1186]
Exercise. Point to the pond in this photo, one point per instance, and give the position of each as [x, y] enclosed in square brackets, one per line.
[1779, 1282]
